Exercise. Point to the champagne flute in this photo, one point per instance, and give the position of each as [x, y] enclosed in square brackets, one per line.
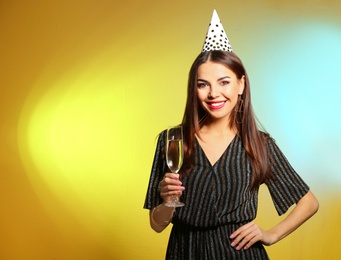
[174, 157]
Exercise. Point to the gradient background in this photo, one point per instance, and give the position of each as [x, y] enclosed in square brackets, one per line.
[87, 85]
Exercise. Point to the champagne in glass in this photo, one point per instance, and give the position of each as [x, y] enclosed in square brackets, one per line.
[174, 157]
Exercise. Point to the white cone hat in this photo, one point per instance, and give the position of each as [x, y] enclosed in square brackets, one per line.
[216, 38]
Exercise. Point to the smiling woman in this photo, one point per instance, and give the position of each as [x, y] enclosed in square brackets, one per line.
[226, 159]
[81, 87]
[218, 88]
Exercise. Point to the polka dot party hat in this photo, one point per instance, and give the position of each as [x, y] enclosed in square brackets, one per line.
[216, 38]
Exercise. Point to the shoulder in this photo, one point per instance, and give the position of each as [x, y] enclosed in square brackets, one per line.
[163, 133]
[161, 137]
[269, 143]
[266, 137]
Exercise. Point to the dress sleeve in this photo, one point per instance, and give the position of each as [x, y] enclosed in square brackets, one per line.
[159, 169]
[287, 187]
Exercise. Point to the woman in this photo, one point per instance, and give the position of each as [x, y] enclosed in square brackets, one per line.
[226, 160]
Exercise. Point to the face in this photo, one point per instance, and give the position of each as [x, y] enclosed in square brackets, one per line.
[218, 88]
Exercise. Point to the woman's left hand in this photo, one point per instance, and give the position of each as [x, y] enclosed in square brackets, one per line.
[245, 236]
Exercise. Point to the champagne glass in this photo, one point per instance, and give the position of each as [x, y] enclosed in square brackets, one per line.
[174, 157]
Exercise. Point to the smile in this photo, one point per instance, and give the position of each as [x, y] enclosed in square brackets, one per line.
[216, 105]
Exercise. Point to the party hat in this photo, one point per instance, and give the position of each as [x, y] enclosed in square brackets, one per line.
[216, 38]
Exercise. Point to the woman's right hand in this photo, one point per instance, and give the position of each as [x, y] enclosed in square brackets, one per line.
[170, 186]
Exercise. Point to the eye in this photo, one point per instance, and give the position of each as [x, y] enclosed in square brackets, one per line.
[202, 84]
[224, 82]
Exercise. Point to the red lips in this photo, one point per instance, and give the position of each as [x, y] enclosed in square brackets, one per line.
[216, 105]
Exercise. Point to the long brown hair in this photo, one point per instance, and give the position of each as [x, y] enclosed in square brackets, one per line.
[243, 119]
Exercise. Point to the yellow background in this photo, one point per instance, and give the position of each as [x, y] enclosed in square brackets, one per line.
[86, 86]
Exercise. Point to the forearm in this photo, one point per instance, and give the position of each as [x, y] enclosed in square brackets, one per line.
[160, 217]
[306, 207]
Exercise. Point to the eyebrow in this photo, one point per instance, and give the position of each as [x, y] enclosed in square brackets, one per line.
[217, 80]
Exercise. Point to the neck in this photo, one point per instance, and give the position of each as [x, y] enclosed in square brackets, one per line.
[217, 127]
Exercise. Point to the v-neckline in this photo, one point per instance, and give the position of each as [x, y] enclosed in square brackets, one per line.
[221, 156]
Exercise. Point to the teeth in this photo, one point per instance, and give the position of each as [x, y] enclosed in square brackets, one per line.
[217, 104]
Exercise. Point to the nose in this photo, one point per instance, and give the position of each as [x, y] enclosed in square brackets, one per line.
[214, 92]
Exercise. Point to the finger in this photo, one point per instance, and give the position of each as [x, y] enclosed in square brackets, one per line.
[250, 243]
[171, 175]
[169, 181]
[241, 229]
[170, 193]
[247, 237]
[167, 196]
[246, 242]
[170, 184]
[171, 188]
[240, 235]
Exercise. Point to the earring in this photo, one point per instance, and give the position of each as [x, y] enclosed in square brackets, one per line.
[239, 110]
[239, 107]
